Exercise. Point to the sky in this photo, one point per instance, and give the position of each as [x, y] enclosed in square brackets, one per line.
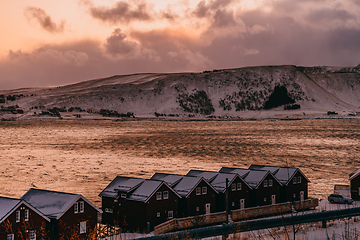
[51, 43]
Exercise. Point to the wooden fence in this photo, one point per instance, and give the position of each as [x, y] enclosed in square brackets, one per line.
[178, 224]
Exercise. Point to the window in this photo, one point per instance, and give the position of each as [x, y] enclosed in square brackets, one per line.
[294, 195]
[204, 190]
[265, 199]
[82, 227]
[197, 209]
[10, 237]
[166, 195]
[123, 195]
[294, 180]
[158, 214]
[76, 207]
[239, 186]
[233, 204]
[198, 191]
[33, 235]
[26, 218]
[108, 210]
[81, 207]
[270, 182]
[265, 183]
[170, 214]
[17, 216]
[158, 196]
[299, 179]
[233, 187]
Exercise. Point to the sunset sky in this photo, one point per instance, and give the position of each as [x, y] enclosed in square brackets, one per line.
[51, 43]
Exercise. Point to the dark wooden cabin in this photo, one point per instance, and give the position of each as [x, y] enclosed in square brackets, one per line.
[20, 220]
[71, 215]
[198, 197]
[265, 187]
[354, 178]
[138, 205]
[238, 189]
[293, 180]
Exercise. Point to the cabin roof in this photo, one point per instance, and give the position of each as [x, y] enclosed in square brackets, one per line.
[170, 179]
[354, 174]
[145, 190]
[120, 184]
[242, 172]
[53, 204]
[283, 174]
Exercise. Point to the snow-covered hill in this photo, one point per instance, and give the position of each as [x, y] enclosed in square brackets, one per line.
[252, 92]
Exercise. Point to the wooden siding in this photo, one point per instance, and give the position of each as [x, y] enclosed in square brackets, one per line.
[263, 194]
[354, 188]
[194, 201]
[292, 188]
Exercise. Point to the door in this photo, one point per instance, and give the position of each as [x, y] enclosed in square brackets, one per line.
[242, 203]
[273, 199]
[207, 208]
[302, 197]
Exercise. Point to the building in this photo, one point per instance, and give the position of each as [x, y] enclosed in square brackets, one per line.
[293, 180]
[265, 186]
[238, 190]
[20, 220]
[138, 204]
[71, 215]
[198, 197]
[354, 178]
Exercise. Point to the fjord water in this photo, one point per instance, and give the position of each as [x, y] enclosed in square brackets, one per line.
[84, 156]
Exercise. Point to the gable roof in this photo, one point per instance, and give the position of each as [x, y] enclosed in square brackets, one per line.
[53, 204]
[147, 189]
[187, 184]
[283, 174]
[216, 179]
[9, 205]
[354, 174]
[170, 179]
[253, 178]
[121, 184]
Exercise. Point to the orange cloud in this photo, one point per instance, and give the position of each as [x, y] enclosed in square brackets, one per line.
[45, 21]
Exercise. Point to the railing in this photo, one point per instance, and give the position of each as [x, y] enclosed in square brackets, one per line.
[177, 224]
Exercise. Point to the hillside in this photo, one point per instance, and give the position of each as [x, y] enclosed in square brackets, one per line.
[243, 93]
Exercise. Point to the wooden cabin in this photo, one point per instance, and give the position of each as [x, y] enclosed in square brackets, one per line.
[20, 220]
[138, 205]
[238, 190]
[198, 197]
[293, 180]
[354, 178]
[265, 186]
[71, 215]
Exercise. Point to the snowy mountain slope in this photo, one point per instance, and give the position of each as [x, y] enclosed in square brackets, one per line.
[252, 92]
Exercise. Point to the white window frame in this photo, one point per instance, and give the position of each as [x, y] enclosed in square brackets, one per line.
[123, 195]
[270, 182]
[82, 227]
[233, 187]
[76, 207]
[197, 209]
[294, 180]
[238, 186]
[158, 214]
[27, 215]
[198, 191]
[158, 196]
[294, 195]
[109, 210]
[170, 214]
[166, 195]
[10, 236]
[17, 216]
[265, 183]
[81, 206]
[264, 199]
[32, 234]
[204, 190]
[299, 179]
[232, 204]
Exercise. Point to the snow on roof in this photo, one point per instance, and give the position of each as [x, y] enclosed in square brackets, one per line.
[52, 204]
[145, 190]
[120, 184]
[242, 172]
[283, 174]
[186, 185]
[6, 205]
[170, 179]
[254, 177]
[354, 174]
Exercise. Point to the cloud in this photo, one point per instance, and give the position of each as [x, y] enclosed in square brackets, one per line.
[45, 21]
[122, 12]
